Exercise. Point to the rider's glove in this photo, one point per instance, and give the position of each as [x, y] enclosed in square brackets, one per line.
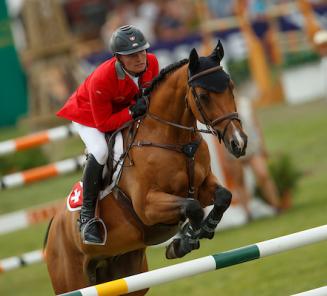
[138, 109]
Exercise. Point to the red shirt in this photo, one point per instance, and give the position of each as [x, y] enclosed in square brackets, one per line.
[102, 100]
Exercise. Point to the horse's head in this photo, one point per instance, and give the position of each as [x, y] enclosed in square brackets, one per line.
[211, 99]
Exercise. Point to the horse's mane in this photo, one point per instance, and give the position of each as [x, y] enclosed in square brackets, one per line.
[163, 74]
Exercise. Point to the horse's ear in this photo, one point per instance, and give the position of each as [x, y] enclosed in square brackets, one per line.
[194, 61]
[218, 52]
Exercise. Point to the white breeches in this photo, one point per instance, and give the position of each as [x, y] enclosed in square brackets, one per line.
[94, 141]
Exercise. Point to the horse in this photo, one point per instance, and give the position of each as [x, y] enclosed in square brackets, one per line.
[165, 182]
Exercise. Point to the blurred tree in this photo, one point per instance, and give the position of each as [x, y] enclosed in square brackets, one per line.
[12, 88]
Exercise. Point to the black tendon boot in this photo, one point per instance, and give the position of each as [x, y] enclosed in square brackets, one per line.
[92, 177]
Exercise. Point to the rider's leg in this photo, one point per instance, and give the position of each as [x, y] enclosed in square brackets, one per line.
[97, 155]
[92, 177]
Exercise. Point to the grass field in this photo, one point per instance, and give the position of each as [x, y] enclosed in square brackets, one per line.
[298, 130]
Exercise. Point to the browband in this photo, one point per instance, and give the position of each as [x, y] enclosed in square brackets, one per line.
[205, 72]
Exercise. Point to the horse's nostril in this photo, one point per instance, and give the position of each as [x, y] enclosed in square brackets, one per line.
[234, 145]
[236, 148]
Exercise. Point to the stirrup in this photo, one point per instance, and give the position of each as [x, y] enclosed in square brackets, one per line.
[87, 224]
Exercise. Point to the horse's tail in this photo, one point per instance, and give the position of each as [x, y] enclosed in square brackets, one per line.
[47, 234]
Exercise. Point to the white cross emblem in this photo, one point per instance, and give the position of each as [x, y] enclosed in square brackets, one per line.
[74, 197]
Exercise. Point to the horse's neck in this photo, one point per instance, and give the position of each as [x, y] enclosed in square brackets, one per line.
[168, 103]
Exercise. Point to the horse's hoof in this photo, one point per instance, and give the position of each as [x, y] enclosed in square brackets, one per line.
[170, 250]
[180, 247]
[197, 246]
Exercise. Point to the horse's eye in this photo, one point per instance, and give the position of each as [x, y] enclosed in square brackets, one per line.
[204, 96]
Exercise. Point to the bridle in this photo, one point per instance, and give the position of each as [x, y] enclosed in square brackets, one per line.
[208, 123]
[211, 123]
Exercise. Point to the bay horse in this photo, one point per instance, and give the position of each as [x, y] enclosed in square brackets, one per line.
[165, 183]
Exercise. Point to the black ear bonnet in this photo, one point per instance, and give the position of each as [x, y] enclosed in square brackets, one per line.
[216, 81]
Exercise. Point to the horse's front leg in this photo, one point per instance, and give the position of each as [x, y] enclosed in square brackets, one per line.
[166, 208]
[161, 207]
[212, 193]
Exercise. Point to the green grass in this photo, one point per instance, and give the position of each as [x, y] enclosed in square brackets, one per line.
[298, 130]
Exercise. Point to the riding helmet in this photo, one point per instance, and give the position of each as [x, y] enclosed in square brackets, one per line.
[127, 40]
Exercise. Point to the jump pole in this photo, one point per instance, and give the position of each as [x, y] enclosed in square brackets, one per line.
[43, 172]
[36, 139]
[217, 261]
[322, 291]
[20, 261]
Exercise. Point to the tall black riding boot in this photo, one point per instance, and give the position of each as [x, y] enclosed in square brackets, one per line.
[92, 178]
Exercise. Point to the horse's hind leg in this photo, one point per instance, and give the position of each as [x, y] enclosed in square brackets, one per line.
[64, 261]
[122, 266]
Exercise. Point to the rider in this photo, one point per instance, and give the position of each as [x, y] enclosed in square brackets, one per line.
[108, 98]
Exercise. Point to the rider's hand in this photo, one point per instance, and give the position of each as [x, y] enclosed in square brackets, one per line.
[139, 108]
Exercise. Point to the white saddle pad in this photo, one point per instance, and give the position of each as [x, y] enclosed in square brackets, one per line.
[118, 151]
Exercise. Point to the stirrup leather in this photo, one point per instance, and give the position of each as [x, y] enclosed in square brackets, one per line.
[87, 224]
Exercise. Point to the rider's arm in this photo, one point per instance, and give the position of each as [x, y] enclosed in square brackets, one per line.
[101, 104]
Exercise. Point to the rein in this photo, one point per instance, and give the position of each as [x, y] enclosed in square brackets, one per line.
[189, 128]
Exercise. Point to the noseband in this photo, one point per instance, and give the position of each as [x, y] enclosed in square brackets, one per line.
[211, 123]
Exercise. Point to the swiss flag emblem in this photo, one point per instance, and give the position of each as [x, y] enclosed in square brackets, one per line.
[75, 197]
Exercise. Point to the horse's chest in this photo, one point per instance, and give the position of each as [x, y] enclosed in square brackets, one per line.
[172, 173]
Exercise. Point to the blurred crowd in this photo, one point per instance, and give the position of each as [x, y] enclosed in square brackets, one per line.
[160, 20]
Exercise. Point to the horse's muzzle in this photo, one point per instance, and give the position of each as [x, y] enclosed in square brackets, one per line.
[237, 145]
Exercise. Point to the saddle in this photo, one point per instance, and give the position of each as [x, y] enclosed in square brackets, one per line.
[107, 178]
